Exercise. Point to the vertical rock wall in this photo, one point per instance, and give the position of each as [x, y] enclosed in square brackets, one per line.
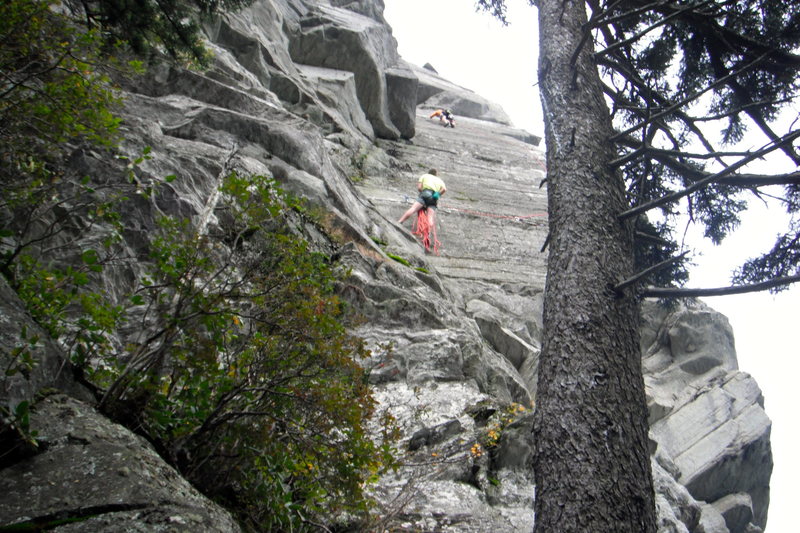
[314, 94]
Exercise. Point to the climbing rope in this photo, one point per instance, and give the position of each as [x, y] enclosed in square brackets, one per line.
[494, 215]
[407, 199]
[422, 228]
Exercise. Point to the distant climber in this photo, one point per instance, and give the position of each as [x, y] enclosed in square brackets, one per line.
[445, 116]
[431, 187]
[449, 119]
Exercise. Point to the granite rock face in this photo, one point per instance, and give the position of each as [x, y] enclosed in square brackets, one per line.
[97, 476]
[313, 93]
[437, 92]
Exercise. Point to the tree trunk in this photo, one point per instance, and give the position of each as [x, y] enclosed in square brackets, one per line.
[592, 463]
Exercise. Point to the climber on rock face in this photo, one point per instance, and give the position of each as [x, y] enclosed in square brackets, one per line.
[431, 187]
[449, 119]
[445, 116]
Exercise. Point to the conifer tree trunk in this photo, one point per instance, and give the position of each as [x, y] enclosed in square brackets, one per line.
[592, 463]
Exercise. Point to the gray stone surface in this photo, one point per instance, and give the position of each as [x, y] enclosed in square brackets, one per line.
[97, 476]
[437, 92]
[337, 89]
[20, 334]
[344, 40]
[313, 94]
[737, 510]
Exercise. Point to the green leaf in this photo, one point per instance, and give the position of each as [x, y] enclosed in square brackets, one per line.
[22, 409]
[89, 257]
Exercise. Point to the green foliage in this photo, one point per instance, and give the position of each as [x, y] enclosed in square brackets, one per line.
[499, 421]
[241, 368]
[17, 439]
[245, 373]
[40, 223]
[54, 96]
[399, 259]
[19, 421]
[359, 161]
[23, 358]
[654, 246]
[52, 90]
[155, 26]
[42, 216]
[779, 262]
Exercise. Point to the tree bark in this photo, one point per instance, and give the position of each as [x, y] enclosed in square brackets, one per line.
[591, 460]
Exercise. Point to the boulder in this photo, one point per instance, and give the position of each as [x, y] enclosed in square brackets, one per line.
[436, 92]
[401, 88]
[30, 360]
[682, 348]
[344, 40]
[336, 90]
[718, 438]
[369, 8]
[95, 476]
[676, 510]
[737, 510]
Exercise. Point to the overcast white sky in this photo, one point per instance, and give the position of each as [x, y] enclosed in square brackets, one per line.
[476, 52]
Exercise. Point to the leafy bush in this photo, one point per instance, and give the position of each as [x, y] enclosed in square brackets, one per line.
[53, 89]
[155, 26]
[232, 352]
[495, 426]
[242, 370]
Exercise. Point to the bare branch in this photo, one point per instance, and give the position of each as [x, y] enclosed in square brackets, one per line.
[666, 292]
[760, 180]
[674, 160]
[646, 272]
[652, 238]
[739, 109]
[678, 154]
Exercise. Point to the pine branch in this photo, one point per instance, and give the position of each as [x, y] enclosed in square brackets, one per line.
[708, 180]
[635, 37]
[658, 101]
[666, 292]
[661, 154]
[744, 95]
[743, 107]
[598, 20]
[691, 98]
[652, 238]
[673, 160]
[779, 57]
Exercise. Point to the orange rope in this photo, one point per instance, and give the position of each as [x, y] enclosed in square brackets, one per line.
[422, 228]
[484, 213]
